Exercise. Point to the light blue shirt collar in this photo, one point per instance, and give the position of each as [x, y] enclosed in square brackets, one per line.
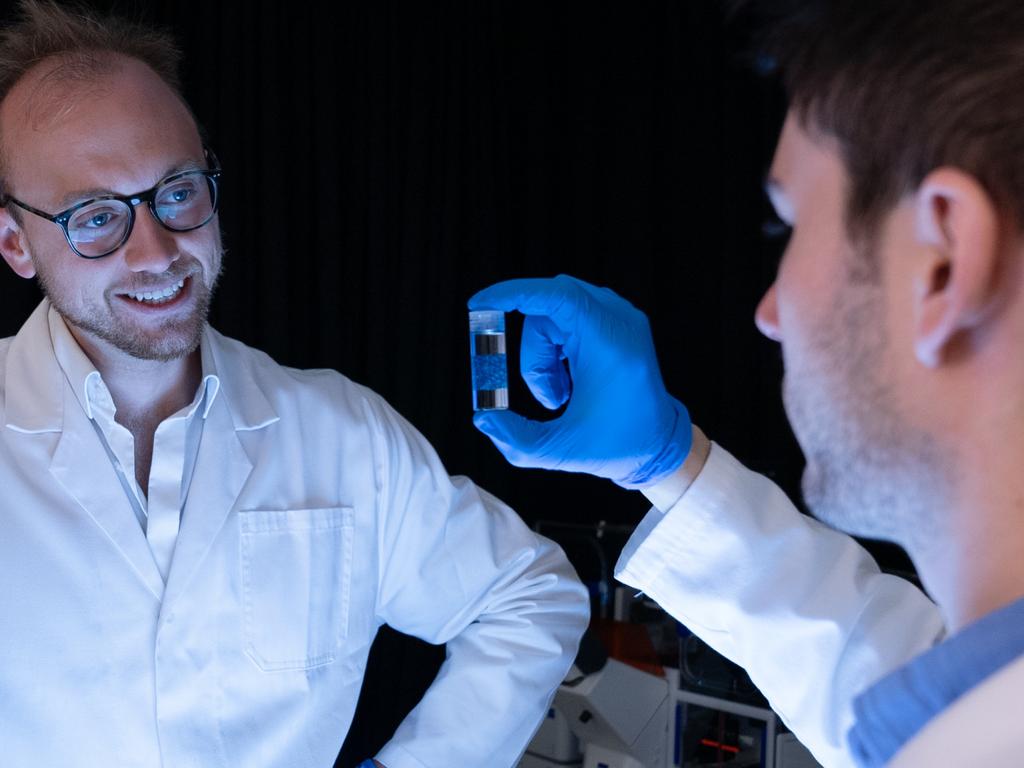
[893, 710]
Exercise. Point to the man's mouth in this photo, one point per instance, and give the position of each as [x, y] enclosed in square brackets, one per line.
[161, 296]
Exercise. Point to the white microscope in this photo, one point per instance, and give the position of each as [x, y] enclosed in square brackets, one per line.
[619, 714]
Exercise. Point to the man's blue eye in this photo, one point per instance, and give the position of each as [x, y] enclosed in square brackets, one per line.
[179, 192]
[98, 220]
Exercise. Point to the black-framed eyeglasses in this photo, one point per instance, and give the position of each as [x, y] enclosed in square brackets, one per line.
[97, 227]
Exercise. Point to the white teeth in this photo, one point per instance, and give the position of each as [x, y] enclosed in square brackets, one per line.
[159, 297]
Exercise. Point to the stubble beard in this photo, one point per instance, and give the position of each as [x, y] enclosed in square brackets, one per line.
[174, 339]
[869, 472]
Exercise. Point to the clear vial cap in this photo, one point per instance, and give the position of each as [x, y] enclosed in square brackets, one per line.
[486, 321]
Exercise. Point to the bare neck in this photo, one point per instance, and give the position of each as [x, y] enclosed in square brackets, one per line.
[145, 395]
[975, 565]
[145, 392]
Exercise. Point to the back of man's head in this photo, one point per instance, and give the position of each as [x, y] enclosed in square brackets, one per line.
[905, 87]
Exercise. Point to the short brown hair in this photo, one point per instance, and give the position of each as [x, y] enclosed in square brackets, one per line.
[84, 42]
[905, 87]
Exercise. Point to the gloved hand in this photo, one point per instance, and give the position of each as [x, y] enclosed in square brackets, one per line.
[620, 422]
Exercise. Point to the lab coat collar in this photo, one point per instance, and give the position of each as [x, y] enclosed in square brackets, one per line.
[249, 406]
[222, 466]
[83, 468]
[39, 400]
[33, 382]
[221, 470]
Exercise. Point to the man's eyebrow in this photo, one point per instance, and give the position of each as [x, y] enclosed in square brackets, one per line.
[81, 195]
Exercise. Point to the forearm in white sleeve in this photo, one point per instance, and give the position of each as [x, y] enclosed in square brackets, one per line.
[804, 609]
[459, 567]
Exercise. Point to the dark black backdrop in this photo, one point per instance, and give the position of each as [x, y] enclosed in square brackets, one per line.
[384, 160]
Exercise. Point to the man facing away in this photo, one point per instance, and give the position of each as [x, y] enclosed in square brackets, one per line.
[199, 545]
[899, 305]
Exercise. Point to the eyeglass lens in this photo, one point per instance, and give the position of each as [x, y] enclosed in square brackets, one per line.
[183, 203]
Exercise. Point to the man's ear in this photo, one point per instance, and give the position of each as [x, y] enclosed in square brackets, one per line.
[955, 285]
[12, 246]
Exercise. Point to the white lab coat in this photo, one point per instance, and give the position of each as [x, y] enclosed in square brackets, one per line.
[803, 608]
[315, 514]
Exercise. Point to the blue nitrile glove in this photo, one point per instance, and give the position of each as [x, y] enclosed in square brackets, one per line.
[620, 422]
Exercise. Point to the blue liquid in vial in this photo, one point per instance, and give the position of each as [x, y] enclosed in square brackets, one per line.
[488, 361]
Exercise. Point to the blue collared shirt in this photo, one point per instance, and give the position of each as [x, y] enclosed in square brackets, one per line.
[893, 710]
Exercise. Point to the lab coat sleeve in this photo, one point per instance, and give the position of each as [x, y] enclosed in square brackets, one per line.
[804, 609]
[457, 566]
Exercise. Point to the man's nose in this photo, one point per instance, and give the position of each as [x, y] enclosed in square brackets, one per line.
[150, 247]
[767, 315]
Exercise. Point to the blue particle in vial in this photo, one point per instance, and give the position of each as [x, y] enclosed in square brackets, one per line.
[489, 372]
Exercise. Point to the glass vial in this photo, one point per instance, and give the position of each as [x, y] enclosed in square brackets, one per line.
[487, 357]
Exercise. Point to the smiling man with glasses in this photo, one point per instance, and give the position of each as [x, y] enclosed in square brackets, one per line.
[198, 546]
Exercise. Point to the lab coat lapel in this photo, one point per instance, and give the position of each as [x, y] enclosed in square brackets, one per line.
[80, 464]
[221, 469]
[39, 400]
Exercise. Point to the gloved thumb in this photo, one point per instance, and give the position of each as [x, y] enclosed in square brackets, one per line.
[520, 440]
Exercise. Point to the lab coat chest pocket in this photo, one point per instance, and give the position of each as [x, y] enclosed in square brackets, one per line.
[296, 571]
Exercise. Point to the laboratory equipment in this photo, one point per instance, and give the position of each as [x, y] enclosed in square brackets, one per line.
[594, 715]
[488, 360]
[616, 717]
[714, 732]
[620, 716]
[554, 745]
[644, 692]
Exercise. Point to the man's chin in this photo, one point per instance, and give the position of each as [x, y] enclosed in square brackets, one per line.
[171, 341]
[172, 338]
[842, 503]
[170, 344]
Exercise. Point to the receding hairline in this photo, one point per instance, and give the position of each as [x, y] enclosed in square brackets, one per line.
[49, 80]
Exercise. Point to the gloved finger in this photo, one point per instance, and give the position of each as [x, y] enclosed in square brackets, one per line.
[510, 295]
[610, 301]
[540, 361]
[520, 440]
[558, 298]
